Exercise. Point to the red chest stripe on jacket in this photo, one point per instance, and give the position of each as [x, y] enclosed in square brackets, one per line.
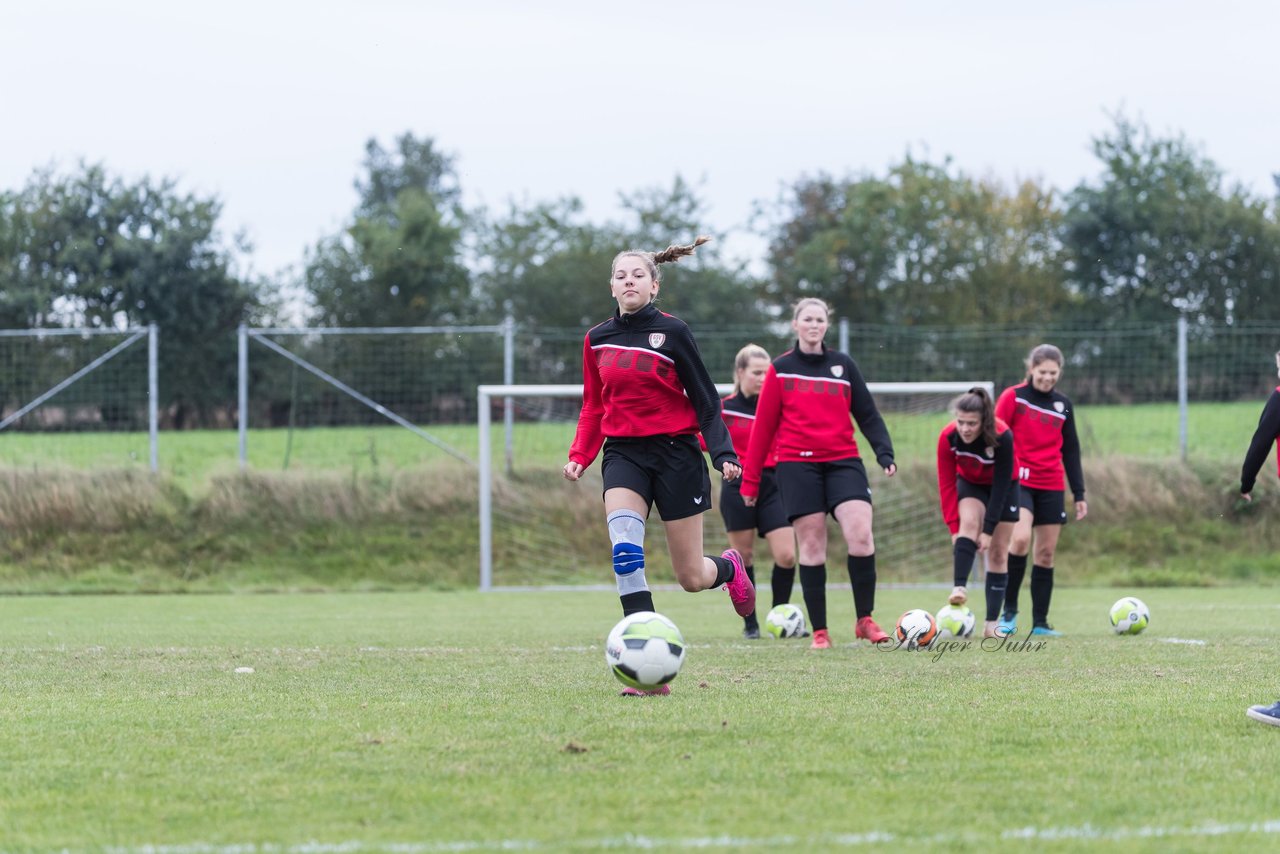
[1040, 414]
[815, 385]
[633, 358]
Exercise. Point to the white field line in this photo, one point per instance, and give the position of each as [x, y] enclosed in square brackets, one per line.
[637, 841]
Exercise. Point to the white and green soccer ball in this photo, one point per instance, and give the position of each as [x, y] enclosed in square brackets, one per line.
[785, 621]
[955, 621]
[1129, 615]
[644, 650]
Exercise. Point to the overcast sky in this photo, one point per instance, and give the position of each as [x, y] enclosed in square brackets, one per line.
[268, 104]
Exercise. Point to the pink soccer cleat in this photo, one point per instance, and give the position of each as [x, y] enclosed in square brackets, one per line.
[821, 640]
[868, 629]
[741, 591]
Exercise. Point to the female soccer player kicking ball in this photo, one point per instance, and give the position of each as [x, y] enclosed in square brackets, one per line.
[646, 396]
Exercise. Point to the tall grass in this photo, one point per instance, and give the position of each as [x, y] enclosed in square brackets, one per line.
[1152, 523]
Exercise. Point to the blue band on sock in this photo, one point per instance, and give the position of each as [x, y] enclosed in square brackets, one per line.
[627, 558]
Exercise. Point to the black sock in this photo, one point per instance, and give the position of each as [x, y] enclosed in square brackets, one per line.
[996, 584]
[783, 579]
[724, 570]
[1041, 593]
[962, 554]
[813, 584]
[749, 621]
[634, 603]
[1017, 571]
[862, 575]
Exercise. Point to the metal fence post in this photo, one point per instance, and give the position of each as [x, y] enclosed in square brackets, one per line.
[509, 378]
[486, 505]
[153, 394]
[1182, 385]
[843, 326]
[242, 383]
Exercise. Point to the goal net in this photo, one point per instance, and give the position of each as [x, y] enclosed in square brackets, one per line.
[538, 530]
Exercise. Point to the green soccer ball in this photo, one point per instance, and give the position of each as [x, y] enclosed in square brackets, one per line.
[785, 621]
[1129, 616]
[644, 650]
[955, 621]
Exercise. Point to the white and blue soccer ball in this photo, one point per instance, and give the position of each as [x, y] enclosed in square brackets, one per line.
[1129, 615]
[955, 621]
[785, 621]
[644, 650]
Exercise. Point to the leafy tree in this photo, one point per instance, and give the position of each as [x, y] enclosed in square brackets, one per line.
[551, 266]
[399, 262]
[546, 265]
[1159, 234]
[91, 249]
[920, 246]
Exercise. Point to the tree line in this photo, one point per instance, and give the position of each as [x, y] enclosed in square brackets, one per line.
[1159, 233]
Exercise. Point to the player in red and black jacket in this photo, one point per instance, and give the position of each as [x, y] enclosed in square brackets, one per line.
[803, 418]
[646, 396]
[1045, 444]
[1266, 435]
[768, 518]
[978, 491]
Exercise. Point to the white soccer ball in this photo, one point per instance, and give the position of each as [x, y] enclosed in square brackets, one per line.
[1129, 615]
[785, 621]
[916, 629]
[644, 650]
[955, 621]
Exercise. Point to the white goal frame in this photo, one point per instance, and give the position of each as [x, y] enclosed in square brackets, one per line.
[486, 393]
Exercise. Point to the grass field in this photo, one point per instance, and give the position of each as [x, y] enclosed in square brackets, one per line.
[427, 722]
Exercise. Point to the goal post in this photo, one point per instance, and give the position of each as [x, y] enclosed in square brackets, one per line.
[549, 529]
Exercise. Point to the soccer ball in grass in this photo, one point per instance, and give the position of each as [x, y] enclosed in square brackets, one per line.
[916, 629]
[1129, 616]
[785, 621]
[955, 621]
[644, 650]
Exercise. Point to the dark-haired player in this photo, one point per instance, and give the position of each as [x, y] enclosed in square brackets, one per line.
[978, 491]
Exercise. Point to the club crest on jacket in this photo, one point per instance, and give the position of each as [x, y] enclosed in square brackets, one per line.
[657, 339]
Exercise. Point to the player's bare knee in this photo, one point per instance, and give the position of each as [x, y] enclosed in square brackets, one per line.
[862, 545]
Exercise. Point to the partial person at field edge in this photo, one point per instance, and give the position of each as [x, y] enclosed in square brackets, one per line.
[809, 403]
[1266, 435]
[1045, 445]
[646, 396]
